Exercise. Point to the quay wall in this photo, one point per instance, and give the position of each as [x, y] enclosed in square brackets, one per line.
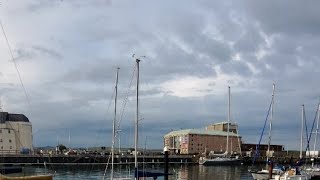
[90, 159]
[124, 159]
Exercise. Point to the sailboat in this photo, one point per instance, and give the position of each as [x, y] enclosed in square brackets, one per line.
[295, 172]
[315, 170]
[35, 177]
[225, 158]
[137, 173]
[114, 133]
[264, 173]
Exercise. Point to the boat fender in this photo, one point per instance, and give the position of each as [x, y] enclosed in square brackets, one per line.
[277, 177]
[292, 172]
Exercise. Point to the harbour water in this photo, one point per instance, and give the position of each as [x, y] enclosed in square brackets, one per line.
[179, 172]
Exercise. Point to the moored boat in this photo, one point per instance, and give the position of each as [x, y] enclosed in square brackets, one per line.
[220, 161]
[264, 173]
[225, 158]
[32, 177]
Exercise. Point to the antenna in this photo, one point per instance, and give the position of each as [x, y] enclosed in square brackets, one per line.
[134, 56]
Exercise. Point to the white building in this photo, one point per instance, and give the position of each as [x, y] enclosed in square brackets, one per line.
[15, 133]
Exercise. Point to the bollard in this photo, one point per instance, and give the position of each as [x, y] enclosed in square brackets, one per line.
[270, 168]
[166, 163]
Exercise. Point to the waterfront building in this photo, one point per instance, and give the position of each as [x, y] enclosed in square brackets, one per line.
[15, 133]
[250, 149]
[223, 126]
[211, 139]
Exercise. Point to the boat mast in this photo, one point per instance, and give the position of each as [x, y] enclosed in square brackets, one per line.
[136, 124]
[69, 140]
[1, 110]
[301, 135]
[271, 119]
[317, 131]
[228, 126]
[114, 125]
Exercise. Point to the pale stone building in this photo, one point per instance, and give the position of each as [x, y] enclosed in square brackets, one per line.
[15, 133]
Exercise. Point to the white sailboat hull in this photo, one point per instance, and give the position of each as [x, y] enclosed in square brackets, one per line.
[291, 174]
[261, 176]
[264, 174]
[294, 177]
[220, 161]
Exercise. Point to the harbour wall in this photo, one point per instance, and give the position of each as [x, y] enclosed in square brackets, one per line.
[124, 159]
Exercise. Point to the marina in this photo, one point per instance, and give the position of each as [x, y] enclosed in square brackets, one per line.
[106, 89]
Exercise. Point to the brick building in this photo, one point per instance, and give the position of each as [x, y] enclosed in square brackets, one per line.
[212, 139]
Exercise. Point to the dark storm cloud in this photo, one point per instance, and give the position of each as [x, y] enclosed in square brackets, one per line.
[293, 17]
[175, 62]
[89, 73]
[25, 53]
[237, 68]
[250, 40]
[49, 52]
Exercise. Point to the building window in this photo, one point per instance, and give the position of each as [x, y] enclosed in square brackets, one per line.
[9, 131]
[9, 140]
[10, 147]
[0, 130]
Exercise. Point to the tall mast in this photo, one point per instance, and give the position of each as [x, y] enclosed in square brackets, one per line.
[136, 124]
[1, 110]
[228, 126]
[271, 119]
[119, 133]
[301, 135]
[114, 125]
[69, 140]
[317, 130]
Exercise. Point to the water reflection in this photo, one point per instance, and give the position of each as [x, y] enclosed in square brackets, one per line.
[212, 172]
[179, 172]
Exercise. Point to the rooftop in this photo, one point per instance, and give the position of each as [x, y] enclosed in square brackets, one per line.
[199, 132]
[5, 116]
[232, 123]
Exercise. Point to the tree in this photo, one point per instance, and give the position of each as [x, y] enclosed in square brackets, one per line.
[61, 147]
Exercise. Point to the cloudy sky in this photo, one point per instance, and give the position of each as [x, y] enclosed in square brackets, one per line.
[67, 52]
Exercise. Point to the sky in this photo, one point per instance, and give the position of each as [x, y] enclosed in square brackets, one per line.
[67, 53]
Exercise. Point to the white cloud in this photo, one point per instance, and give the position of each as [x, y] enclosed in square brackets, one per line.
[190, 86]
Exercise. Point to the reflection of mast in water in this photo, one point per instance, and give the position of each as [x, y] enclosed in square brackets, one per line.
[218, 172]
[183, 172]
[186, 172]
